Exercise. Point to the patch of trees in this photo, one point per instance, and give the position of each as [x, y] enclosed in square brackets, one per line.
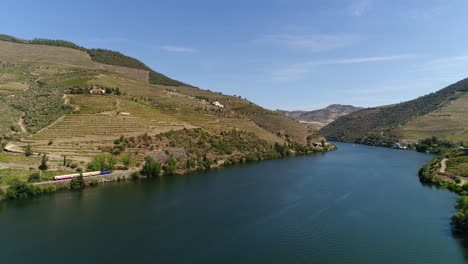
[42, 41]
[23, 190]
[151, 168]
[161, 79]
[196, 149]
[460, 218]
[356, 126]
[41, 107]
[102, 162]
[77, 183]
[434, 145]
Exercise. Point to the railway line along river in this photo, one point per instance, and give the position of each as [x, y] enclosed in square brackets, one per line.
[358, 204]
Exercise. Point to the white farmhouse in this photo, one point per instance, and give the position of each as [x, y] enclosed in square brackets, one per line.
[218, 104]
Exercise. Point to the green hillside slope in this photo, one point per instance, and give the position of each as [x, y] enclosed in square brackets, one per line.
[72, 103]
[394, 122]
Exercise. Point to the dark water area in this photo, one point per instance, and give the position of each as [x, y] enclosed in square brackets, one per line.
[358, 204]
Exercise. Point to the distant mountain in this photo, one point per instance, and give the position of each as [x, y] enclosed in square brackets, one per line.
[443, 114]
[321, 117]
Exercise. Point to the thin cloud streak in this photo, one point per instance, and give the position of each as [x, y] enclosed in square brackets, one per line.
[311, 43]
[300, 70]
[178, 49]
[360, 7]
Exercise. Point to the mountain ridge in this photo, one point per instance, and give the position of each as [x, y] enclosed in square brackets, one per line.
[386, 122]
[320, 117]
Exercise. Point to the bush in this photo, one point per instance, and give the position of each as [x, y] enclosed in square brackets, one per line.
[151, 167]
[28, 152]
[77, 183]
[170, 167]
[93, 183]
[128, 161]
[50, 188]
[135, 176]
[43, 166]
[21, 190]
[35, 177]
[102, 162]
[460, 218]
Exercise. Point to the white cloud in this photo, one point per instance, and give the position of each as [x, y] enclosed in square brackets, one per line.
[300, 70]
[312, 43]
[360, 7]
[178, 49]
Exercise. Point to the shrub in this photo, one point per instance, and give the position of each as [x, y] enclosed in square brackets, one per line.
[49, 188]
[102, 162]
[93, 183]
[43, 166]
[135, 176]
[77, 183]
[28, 151]
[128, 161]
[21, 190]
[151, 167]
[35, 177]
[170, 167]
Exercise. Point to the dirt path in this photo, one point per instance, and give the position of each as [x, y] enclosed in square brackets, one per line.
[11, 147]
[443, 165]
[15, 166]
[21, 124]
[66, 101]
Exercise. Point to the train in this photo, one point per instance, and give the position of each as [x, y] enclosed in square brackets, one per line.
[85, 174]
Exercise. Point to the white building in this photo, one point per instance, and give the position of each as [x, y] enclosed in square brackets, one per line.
[218, 104]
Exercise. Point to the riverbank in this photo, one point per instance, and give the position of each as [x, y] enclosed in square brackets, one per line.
[22, 190]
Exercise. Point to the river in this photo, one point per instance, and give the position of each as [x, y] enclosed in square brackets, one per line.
[358, 204]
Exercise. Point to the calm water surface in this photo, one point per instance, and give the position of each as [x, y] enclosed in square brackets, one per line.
[356, 205]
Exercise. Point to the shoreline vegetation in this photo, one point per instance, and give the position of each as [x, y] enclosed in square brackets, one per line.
[176, 152]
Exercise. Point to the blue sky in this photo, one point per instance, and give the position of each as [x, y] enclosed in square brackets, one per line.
[279, 53]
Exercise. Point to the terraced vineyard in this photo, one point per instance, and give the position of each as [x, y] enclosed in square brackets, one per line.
[449, 121]
[99, 120]
[47, 104]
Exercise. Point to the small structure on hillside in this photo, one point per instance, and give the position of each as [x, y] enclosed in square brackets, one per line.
[399, 145]
[218, 104]
[124, 113]
[97, 90]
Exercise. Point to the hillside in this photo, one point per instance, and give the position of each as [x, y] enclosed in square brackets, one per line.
[319, 118]
[442, 114]
[72, 103]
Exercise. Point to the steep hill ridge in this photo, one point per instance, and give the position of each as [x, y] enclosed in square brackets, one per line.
[46, 85]
[390, 122]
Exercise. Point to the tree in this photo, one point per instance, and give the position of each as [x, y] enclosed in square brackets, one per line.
[21, 190]
[2, 145]
[43, 166]
[28, 152]
[117, 91]
[102, 162]
[127, 160]
[151, 167]
[460, 218]
[77, 182]
[170, 167]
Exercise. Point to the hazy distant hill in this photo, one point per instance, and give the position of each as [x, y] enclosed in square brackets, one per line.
[443, 114]
[321, 117]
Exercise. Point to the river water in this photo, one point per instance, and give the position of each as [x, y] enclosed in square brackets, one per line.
[358, 204]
